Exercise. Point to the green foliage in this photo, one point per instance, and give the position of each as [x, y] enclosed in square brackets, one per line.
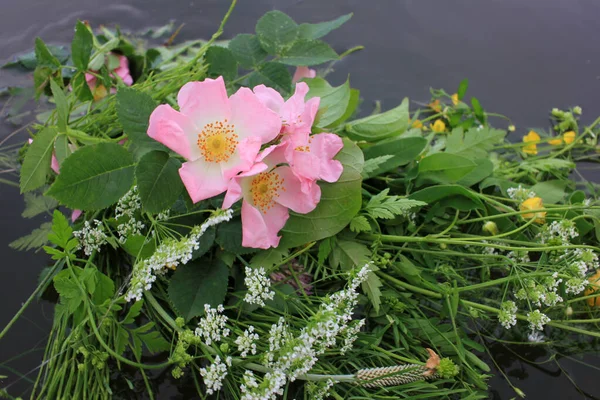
[462, 88]
[347, 254]
[61, 148]
[62, 237]
[221, 62]
[484, 168]
[198, 283]
[316, 31]
[333, 104]
[372, 288]
[37, 204]
[36, 164]
[382, 206]
[380, 126]
[339, 203]
[269, 258]
[81, 46]
[360, 223]
[43, 56]
[62, 106]
[276, 32]
[274, 75]
[36, 239]
[390, 154]
[158, 181]
[308, 52]
[453, 196]
[551, 191]
[94, 177]
[445, 168]
[474, 143]
[247, 50]
[229, 237]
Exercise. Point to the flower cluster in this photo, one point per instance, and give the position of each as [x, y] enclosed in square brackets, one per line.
[537, 320]
[259, 286]
[520, 193]
[128, 204]
[211, 327]
[215, 374]
[508, 314]
[247, 342]
[221, 138]
[91, 238]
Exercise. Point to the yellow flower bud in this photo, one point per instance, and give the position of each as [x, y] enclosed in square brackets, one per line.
[556, 142]
[595, 285]
[491, 228]
[531, 138]
[569, 137]
[417, 124]
[511, 128]
[438, 126]
[534, 203]
[455, 99]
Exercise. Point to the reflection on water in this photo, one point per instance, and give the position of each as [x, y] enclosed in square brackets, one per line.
[522, 58]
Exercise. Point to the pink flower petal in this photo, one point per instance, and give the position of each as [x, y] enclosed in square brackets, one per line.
[269, 97]
[243, 158]
[303, 72]
[174, 130]
[293, 197]
[325, 146]
[204, 102]
[202, 179]
[75, 215]
[54, 164]
[252, 118]
[260, 230]
[235, 188]
[298, 116]
[123, 70]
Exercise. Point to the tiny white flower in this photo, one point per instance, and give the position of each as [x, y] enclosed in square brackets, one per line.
[259, 286]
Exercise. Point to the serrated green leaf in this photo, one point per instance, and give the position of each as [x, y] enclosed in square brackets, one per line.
[276, 31]
[36, 239]
[221, 62]
[308, 52]
[158, 181]
[360, 224]
[325, 248]
[483, 169]
[373, 164]
[37, 204]
[229, 237]
[198, 283]
[94, 177]
[105, 288]
[155, 342]
[133, 312]
[247, 50]
[371, 287]
[347, 254]
[334, 101]
[445, 167]
[339, 203]
[81, 46]
[81, 88]
[475, 143]
[269, 258]
[62, 106]
[133, 111]
[401, 151]
[43, 56]
[380, 126]
[273, 75]
[316, 31]
[382, 206]
[36, 164]
[61, 230]
[70, 294]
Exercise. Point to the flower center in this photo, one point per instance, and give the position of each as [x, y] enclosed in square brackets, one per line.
[265, 188]
[217, 141]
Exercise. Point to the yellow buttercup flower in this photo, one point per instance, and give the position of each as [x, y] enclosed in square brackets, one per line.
[438, 126]
[435, 106]
[417, 124]
[532, 138]
[455, 99]
[534, 203]
[556, 142]
[595, 285]
[569, 137]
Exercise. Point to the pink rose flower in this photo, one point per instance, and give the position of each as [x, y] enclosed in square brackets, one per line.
[268, 194]
[296, 115]
[303, 72]
[218, 136]
[122, 71]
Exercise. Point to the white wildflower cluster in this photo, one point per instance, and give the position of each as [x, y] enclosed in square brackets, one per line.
[259, 286]
[290, 356]
[520, 193]
[129, 228]
[211, 327]
[163, 216]
[128, 204]
[91, 238]
[544, 292]
[215, 374]
[518, 257]
[168, 255]
[508, 314]
[559, 233]
[537, 320]
[536, 337]
[575, 285]
[247, 342]
[350, 335]
[319, 390]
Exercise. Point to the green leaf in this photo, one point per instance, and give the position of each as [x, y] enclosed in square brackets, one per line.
[401, 150]
[41, 77]
[454, 196]
[339, 203]
[229, 237]
[315, 31]
[348, 254]
[325, 250]
[484, 169]
[62, 106]
[44, 57]
[139, 247]
[94, 177]
[61, 230]
[269, 258]
[380, 126]
[247, 50]
[373, 165]
[478, 110]
[133, 312]
[81, 46]
[105, 288]
[133, 111]
[308, 52]
[37, 204]
[70, 294]
[445, 168]
[221, 62]
[371, 287]
[36, 164]
[35, 240]
[198, 283]
[360, 224]
[551, 192]
[273, 75]
[546, 165]
[462, 88]
[81, 88]
[155, 342]
[334, 101]
[61, 148]
[276, 32]
[382, 206]
[158, 181]
[475, 143]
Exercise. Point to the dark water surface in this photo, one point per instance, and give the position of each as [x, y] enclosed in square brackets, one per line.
[522, 58]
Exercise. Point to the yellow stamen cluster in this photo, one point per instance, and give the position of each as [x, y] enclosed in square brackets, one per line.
[217, 141]
[265, 188]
